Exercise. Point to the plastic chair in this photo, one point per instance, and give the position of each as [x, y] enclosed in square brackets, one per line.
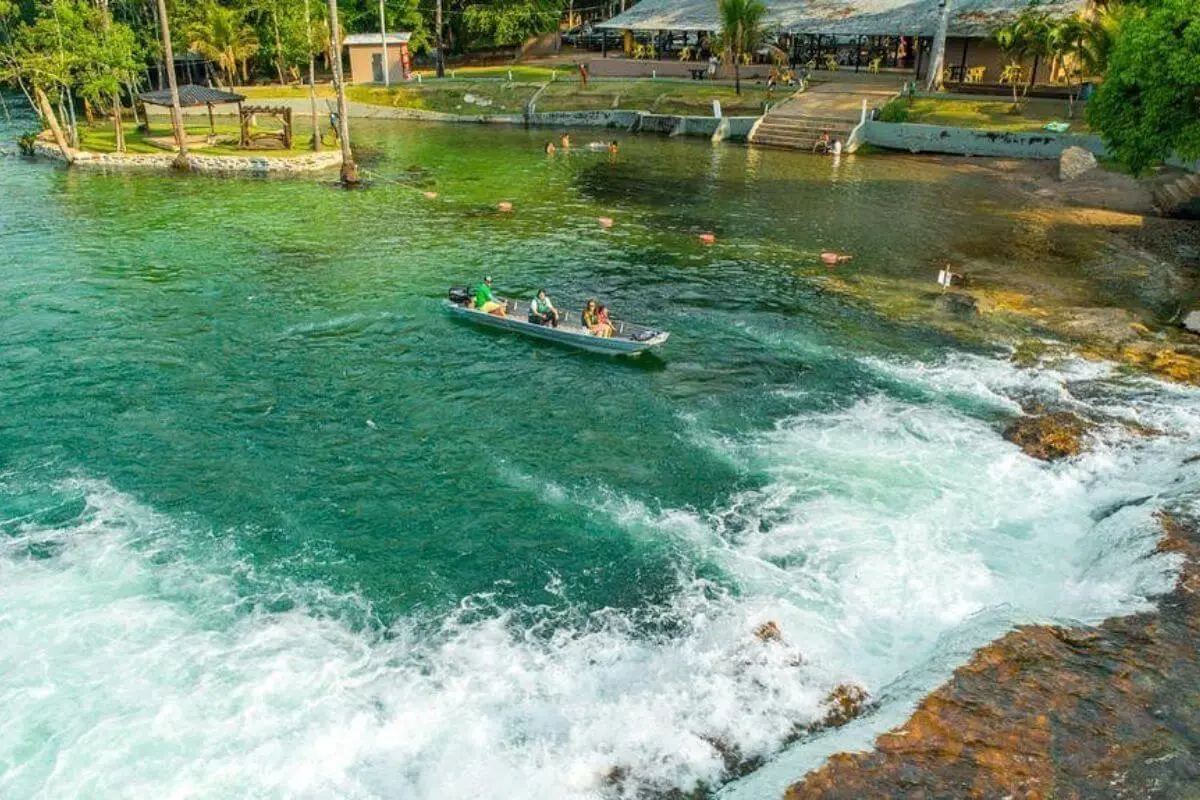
[831, 63]
[873, 67]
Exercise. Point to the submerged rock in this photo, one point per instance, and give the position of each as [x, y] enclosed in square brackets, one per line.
[1049, 437]
[1075, 162]
[769, 632]
[845, 703]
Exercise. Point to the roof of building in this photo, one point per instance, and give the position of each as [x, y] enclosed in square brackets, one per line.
[399, 37]
[973, 18]
[191, 95]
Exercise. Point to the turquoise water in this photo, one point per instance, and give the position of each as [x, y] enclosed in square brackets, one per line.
[275, 525]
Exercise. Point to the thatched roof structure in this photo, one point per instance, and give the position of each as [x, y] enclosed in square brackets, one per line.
[970, 18]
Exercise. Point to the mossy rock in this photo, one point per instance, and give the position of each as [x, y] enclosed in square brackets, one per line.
[1049, 437]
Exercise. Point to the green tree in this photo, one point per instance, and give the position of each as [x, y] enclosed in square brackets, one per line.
[511, 22]
[1148, 106]
[1026, 36]
[741, 32]
[221, 35]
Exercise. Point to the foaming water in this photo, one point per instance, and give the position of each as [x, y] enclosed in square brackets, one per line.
[141, 657]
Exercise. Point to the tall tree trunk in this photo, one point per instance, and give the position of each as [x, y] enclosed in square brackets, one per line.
[737, 76]
[278, 43]
[441, 58]
[118, 131]
[71, 117]
[349, 168]
[312, 80]
[181, 161]
[51, 120]
[937, 58]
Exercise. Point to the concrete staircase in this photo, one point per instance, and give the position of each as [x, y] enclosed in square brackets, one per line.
[799, 133]
[1178, 195]
[833, 102]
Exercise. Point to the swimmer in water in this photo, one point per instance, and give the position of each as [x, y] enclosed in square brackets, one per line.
[549, 148]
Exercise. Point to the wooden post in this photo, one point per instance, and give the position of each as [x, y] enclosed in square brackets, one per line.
[212, 126]
[52, 121]
[962, 67]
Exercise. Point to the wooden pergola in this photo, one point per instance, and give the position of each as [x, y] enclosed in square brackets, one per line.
[191, 96]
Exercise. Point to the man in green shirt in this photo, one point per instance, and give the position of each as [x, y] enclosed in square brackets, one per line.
[485, 301]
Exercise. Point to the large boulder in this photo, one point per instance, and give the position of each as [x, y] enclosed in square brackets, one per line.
[1075, 162]
[1192, 321]
[1049, 437]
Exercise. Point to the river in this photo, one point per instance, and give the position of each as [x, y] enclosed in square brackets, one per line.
[273, 524]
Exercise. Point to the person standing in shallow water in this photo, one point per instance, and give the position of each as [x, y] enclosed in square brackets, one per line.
[549, 148]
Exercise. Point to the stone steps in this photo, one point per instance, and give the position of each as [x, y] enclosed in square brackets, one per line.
[1173, 196]
[798, 133]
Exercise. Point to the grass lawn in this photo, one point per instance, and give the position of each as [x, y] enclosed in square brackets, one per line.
[449, 96]
[291, 91]
[102, 139]
[693, 98]
[993, 114]
[566, 93]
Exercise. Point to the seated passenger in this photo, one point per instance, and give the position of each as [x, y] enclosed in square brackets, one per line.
[542, 311]
[603, 326]
[485, 301]
[588, 317]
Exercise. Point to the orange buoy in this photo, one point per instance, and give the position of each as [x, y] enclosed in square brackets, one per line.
[430, 195]
[831, 258]
[504, 205]
[605, 222]
[708, 238]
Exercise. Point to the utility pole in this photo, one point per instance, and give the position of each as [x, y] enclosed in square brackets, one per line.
[937, 58]
[387, 81]
[441, 59]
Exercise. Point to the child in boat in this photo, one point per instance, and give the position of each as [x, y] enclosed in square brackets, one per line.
[603, 326]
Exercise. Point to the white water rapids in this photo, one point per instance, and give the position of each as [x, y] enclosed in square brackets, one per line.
[891, 539]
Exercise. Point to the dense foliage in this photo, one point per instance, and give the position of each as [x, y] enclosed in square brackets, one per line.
[65, 45]
[1148, 106]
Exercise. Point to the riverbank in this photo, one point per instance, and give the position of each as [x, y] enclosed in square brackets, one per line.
[1125, 306]
[1053, 711]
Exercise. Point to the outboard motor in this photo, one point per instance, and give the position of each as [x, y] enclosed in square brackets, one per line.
[460, 295]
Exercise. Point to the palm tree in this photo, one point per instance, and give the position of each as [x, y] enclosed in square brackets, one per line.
[1067, 40]
[1014, 45]
[221, 34]
[181, 161]
[349, 168]
[741, 30]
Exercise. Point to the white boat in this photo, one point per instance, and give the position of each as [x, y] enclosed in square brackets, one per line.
[628, 339]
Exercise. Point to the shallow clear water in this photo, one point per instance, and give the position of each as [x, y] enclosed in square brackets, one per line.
[273, 524]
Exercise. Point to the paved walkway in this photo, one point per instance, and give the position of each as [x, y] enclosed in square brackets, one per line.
[830, 96]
